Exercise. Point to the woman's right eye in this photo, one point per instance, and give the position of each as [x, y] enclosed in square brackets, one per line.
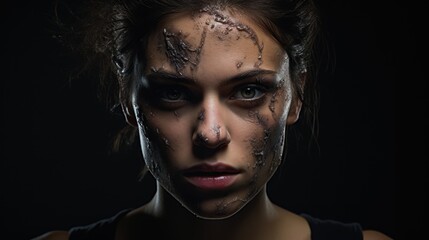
[172, 95]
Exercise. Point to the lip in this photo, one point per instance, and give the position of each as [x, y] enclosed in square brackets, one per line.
[216, 176]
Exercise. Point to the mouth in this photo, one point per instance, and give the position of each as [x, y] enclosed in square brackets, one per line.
[211, 176]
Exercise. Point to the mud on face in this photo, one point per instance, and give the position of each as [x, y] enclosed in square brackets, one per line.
[180, 53]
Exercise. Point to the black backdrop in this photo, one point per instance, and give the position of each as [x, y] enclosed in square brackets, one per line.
[57, 172]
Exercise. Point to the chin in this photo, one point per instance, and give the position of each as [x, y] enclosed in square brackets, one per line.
[215, 215]
[217, 210]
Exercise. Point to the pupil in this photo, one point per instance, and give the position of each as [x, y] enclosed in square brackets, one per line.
[173, 94]
[248, 92]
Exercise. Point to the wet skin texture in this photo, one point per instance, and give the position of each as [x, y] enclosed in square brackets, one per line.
[216, 89]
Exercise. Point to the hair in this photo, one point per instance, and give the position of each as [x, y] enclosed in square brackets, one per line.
[113, 36]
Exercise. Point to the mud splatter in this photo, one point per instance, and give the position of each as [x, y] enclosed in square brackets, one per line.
[153, 69]
[267, 134]
[180, 53]
[216, 130]
[166, 143]
[259, 158]
[140, 117]
[258, 118]
[223, 205]
[231, 24]
[164, 139]
[176, 114]
[199, 49]
[260, 147]
[273, 99]
[201, 115]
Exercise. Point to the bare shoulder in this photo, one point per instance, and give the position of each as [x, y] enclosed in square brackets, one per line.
[375, 235]
[292, 225]
[53, 235]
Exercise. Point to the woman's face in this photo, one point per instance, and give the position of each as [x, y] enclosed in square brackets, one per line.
[211, 109]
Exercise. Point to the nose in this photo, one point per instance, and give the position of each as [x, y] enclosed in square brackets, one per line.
[211, 131]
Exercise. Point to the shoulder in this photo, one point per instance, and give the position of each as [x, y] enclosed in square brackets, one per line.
[53, 235]
[375, 235]
[291, 225]
[102, 229]
[129, 226]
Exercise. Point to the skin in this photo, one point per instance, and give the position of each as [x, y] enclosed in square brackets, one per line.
[194, 106]
[214, 115]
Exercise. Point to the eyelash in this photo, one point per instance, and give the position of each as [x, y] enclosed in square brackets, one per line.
[258, 90]
[161, 96]
[185, 96]
[164, 94]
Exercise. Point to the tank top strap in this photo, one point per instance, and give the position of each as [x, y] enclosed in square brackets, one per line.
[101, 230]
[326, 229]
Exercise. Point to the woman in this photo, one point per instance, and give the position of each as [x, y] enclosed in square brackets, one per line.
[211, 88]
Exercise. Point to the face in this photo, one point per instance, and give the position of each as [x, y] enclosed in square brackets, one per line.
[212, 109]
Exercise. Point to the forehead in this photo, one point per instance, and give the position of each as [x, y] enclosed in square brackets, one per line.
[211, 37]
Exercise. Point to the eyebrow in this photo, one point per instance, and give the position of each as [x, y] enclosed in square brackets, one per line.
[167, 76]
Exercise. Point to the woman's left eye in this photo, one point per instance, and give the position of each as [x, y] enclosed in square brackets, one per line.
[248, 93]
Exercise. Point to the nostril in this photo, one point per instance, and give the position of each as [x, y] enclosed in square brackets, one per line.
[203, 151]
[202, 138]
[214, 139]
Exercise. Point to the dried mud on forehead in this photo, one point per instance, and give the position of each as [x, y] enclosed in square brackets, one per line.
[231, 24]
[181, 53]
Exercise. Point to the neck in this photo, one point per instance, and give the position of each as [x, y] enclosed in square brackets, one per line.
[251, 219]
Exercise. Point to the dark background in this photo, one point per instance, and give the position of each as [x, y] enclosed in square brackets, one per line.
[57, 171]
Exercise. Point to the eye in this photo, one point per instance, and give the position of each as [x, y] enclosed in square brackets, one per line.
[248, 92]
[172, 95]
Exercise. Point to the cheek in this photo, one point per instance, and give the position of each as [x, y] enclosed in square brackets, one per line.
[280, 102]
[266, 145]
[275, 134]
[266, 136]
[167, 135]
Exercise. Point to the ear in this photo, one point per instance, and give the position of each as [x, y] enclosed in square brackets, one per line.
[296, 104]
[294, 111]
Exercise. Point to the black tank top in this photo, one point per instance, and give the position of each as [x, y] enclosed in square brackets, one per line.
[100, 230]
[320, 229]
[333, 230]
